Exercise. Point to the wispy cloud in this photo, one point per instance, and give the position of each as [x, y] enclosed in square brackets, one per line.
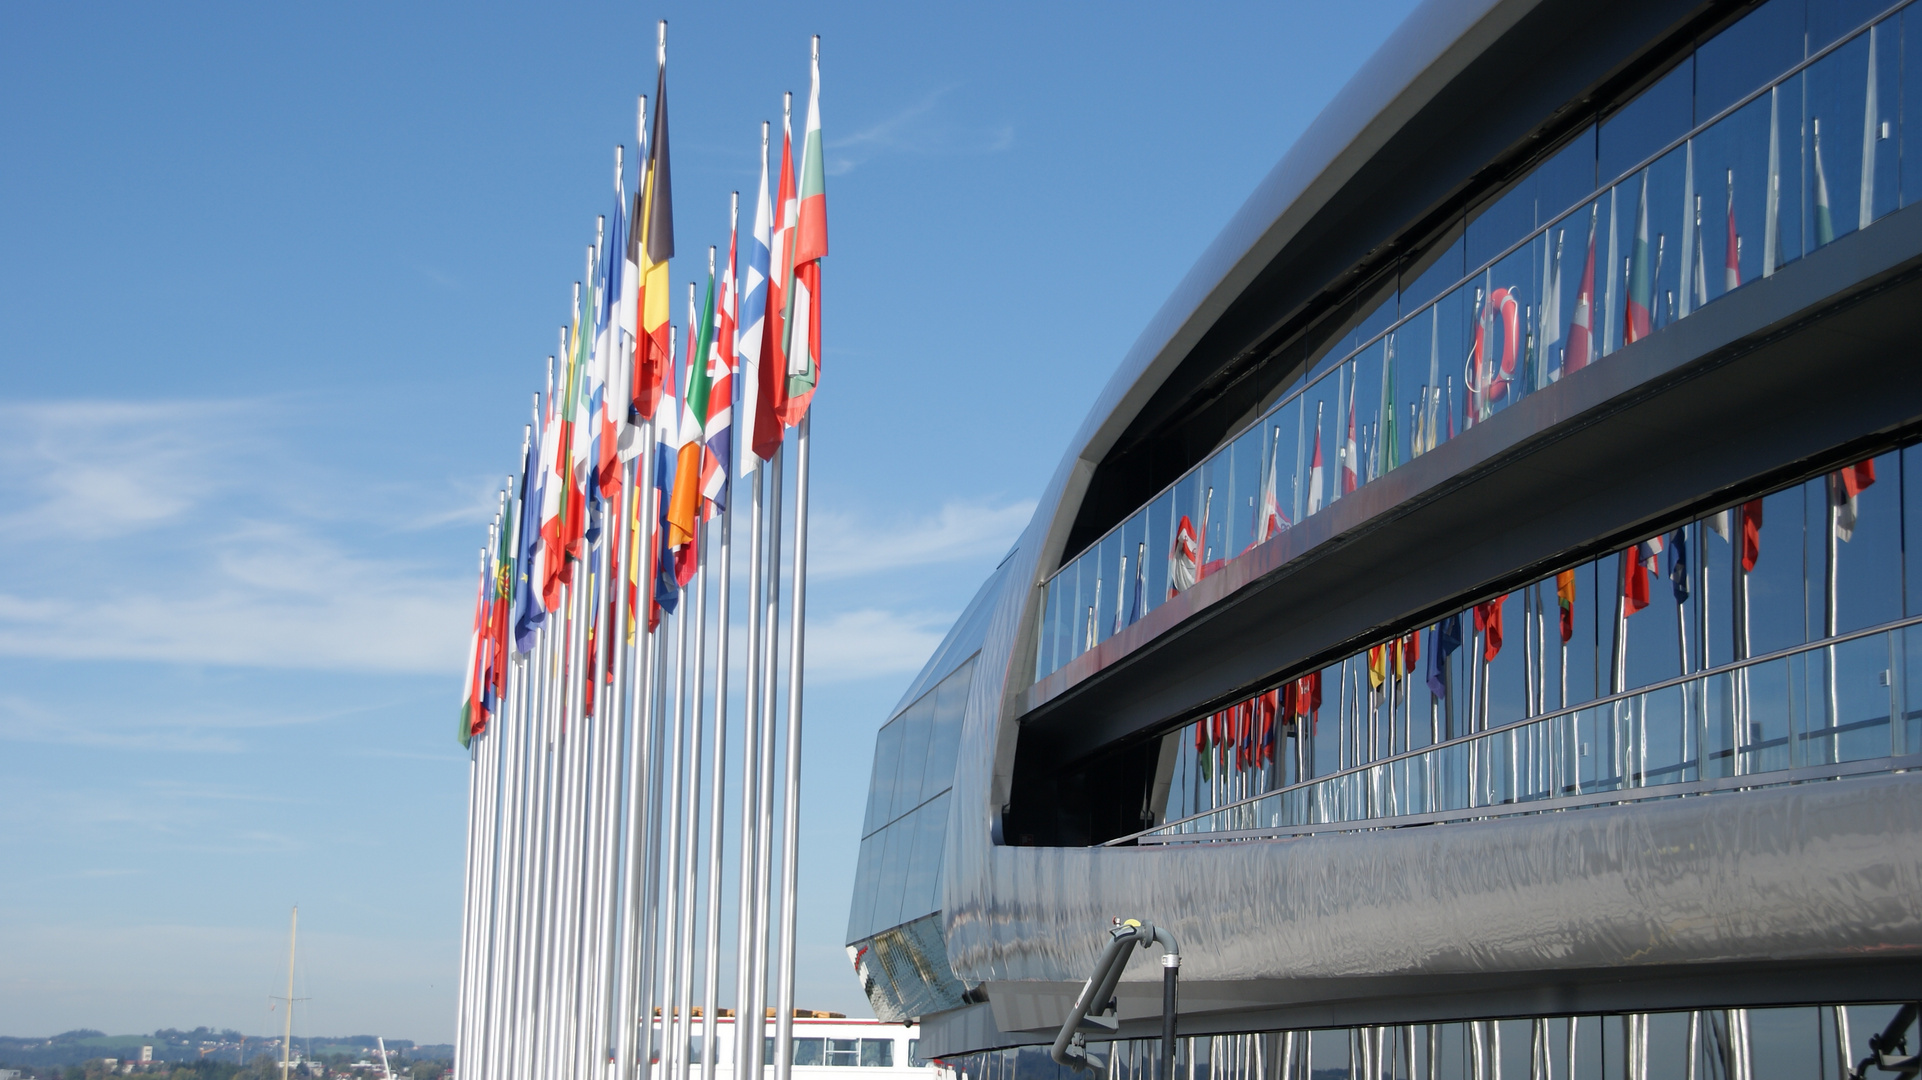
[868, 642]
[147, 535]
[842, 545]
[917, 128]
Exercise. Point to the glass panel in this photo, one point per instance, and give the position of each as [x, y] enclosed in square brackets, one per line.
[1745, 56]
[844, 1053]
[1044, 664]
[1365, 407]
[1159, 535]
[1868, 547]
[877, 1053]
[1186, 530]
[1243, 524]
[1731, 182]
[1775, 587]
[1319, 467]
[915, 724]
[1217, 509]
[1131, 594]
[861, 912]
[1087, 600]
[1830, 19]
[1111, 598]
[887, 746]
[889, 883]
[809, 1051]
[1836, 112]
[1495, 225]
[1063, 628]
[1658, 116]
[951, 700]
[1425, 277]
[930, 829]
[914, 1054]
[1862, 701]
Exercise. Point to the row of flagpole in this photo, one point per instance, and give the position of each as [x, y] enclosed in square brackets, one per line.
[596, 721]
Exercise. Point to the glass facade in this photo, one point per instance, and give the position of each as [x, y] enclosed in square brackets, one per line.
[1777, 636]
[1820, 1042]
[1781, 133]
[897, 878]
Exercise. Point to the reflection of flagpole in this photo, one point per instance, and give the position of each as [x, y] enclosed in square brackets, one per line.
[1771, 216]
[1871, 121]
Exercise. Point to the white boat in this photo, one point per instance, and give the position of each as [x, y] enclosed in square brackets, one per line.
[825, 1046]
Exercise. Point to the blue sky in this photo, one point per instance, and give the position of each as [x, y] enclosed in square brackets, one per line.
[277, 282]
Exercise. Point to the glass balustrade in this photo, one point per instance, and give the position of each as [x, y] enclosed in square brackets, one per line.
[1826, 710]
[1773, 138]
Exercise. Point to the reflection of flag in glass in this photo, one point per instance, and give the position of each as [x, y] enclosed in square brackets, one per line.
[1565, 601]
[1732, 269]
[1751, 534]
[1844, 485]
[1488, 620]
[1581, 346]
[1314, 468]
[1448, 638]
[1824, 220]
[1348, 462]
[1269, 519]
[1377, 666]
[1140, 584]
[1638, 562]
[1184, 561]
[1641, 283]
[1201, 750]
[1678, 565]
[1308, 698]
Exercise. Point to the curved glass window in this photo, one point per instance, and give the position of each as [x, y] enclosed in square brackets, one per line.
[1776, 136]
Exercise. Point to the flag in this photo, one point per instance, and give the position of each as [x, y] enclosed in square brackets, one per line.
[553, 551]
[810, 245]
[1269, 518]
[1377, 665]
[1140, 584]
[1751, 534]
[1184, 560]
[1635, 571]
[1844, 485]
[666, 585]
[610, 371]
[629, 443]
[1448, 638]
[470, 700]
[719, 458]
[1308, 698]
[1581, 342]
[1410, 652]
[753, 323]
[1641, 284]
[1824, 220]
[1698, 284]
[1348, 448]
[500, 610]
[1565, 601]
[683, 513]
[1732, 267]
[528, 612]
[1550, 333]
[1678, 565]
[584, 499]
[1202, 746]
[653, 245]
[768, 422]
[1488, 620]
[1314, 468]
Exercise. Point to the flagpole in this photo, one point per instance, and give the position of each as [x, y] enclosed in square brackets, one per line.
[791, 822]
[717, 806]
[747, 1037]
[770, 696]
[691, 853]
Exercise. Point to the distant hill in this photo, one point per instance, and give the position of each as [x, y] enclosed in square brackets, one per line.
[172, 1044]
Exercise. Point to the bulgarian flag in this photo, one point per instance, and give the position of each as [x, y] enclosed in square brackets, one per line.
[651, 246]
[1641, 284]
[803, 331]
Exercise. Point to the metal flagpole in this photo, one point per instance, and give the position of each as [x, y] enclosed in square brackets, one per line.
[671, 861]
[691, 852]
[791, 822]
[746, 1035]
[764, 810]
[717, 807]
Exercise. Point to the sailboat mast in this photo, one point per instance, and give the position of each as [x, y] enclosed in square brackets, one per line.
[287, 1039]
